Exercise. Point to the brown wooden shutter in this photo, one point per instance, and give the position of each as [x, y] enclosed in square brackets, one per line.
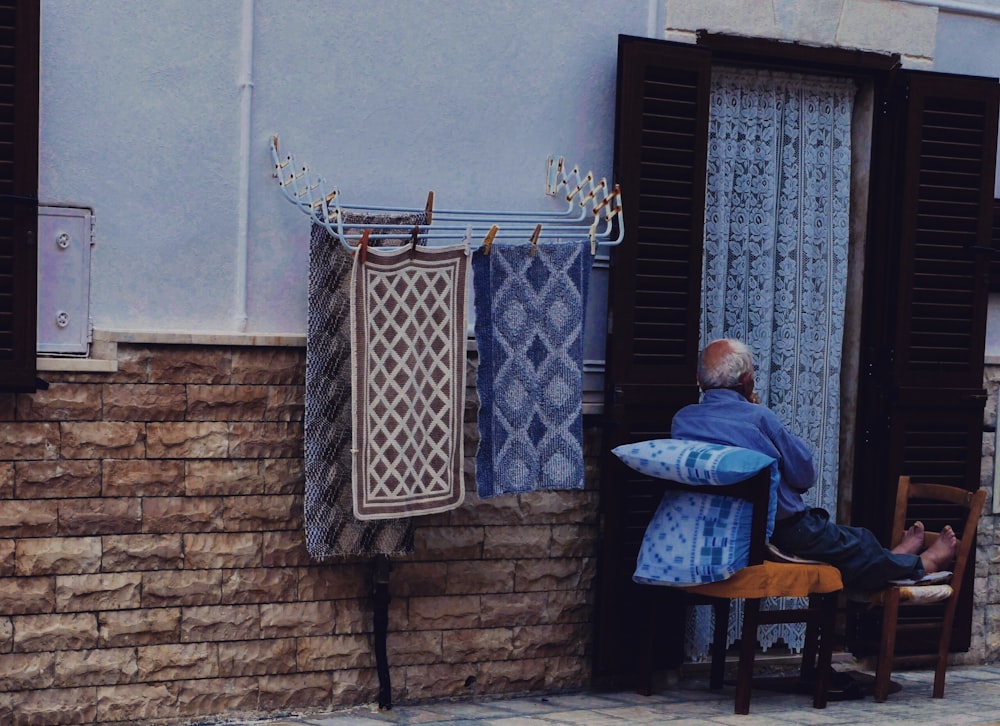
[930, 381]
[19, 39]
[661, 146]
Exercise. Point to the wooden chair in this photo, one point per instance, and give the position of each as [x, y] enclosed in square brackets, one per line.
[762, 578]
[930, 497]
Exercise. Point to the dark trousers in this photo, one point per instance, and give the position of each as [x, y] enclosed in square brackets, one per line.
[863, 562]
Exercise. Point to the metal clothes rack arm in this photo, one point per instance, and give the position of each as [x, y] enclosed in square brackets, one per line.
[594, 201]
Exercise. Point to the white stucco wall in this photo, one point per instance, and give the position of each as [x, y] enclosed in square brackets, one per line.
[386, 99]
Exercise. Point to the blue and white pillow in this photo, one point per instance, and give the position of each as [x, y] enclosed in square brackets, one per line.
[694, 539]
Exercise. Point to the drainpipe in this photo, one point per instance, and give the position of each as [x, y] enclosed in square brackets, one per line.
[243, 199]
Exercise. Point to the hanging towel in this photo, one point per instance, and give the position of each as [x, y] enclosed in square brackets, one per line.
[529, 333]
[331, 528]
[408, 367]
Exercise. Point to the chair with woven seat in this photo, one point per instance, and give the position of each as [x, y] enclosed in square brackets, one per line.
[921, 501]
[701, 502]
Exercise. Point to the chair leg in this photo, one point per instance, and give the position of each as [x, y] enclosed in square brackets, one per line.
[887, 646]
[944, 645]
[720, 608]
[807, 670]
[827, 604]
[748, 648]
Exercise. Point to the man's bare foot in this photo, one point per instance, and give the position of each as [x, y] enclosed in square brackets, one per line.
[912, 542]
[940, 554]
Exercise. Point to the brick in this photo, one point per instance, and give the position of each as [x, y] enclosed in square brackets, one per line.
[355, 686]
[136, 703]
[569, 606]
[285, 549]
[61, 402]
[57, 556]
[551, 641]
[222, 550]
[259, 585]
[439, 681]
[560, 507]
[285, 403]
[471, 646]
[497, 511]
[181, 514]
[217, 477]
[149, 626]
[535, 575]
[188, 587]
[6, 479]
[56, 631]
[516, 608]
[301, 690]
[190, 364]
[513, 542]
[8, 406]
[99, 516]
[257, 657]
[6, 635]
[29, 518]
[102, 440]
[296, 619]
[144, 402]
[143, 478]
[7, 548]
[55, 707]
[419, 579]
[30, 441]
[412, 647]
[334, 652]
[567, 672]
[355, 616]
[466, 577]
[220, 622]
[175, 661]
[271, 366]
[571, 540]
[103, 667]
[262, 513]
[185, 440]
[226, 403]
[513, 676]
[109, 591]
[448, 543]
[215, 696]
[21, 595]
[24, 671]
[133, 363]
[277, 440]
[57, 479]
[444, 613]
[283, 476]
[137, 552]
[343, 581]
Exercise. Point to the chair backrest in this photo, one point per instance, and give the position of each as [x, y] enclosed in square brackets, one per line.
[969, 504]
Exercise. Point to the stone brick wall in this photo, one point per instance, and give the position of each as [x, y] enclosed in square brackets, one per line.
[153, 567]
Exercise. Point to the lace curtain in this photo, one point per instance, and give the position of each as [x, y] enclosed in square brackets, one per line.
[775, 263]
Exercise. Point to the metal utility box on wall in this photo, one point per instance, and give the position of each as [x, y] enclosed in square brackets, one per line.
[65, 239]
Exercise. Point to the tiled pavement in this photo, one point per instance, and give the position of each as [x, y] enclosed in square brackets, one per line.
[972, 696]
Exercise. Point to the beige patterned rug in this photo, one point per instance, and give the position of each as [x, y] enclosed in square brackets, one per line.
[408, 316]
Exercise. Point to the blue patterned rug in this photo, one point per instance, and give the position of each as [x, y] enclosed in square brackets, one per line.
[529, 332]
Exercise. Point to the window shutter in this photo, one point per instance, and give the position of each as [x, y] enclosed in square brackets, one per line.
[19, 38]
[661, 146]
[929, 422]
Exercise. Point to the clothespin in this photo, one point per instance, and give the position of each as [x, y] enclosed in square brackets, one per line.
[534, 240]
[414, 235]
[429, 208]
[488, 239]
[363, 246]
[593, 239]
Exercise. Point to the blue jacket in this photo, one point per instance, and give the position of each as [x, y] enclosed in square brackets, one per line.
[726, 417]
